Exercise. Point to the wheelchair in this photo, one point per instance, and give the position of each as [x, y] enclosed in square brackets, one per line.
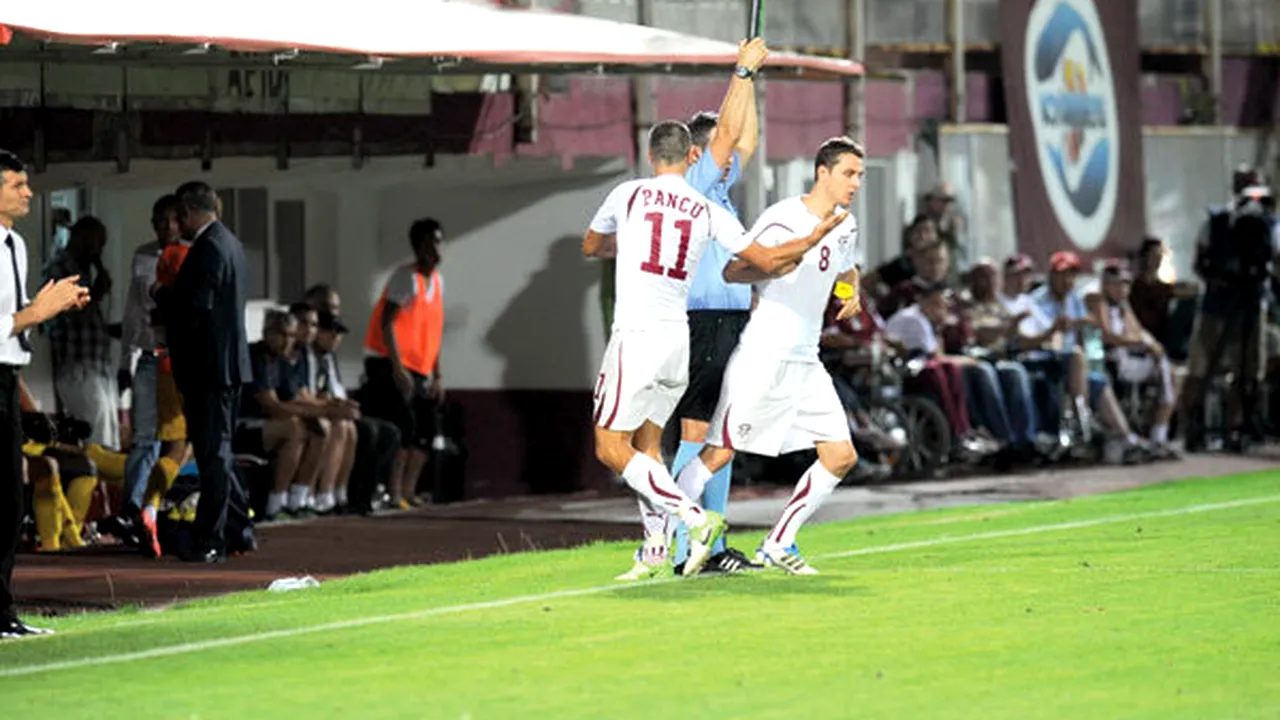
[882, 388]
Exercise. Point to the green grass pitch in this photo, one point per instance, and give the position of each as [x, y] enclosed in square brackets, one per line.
[1160, 603]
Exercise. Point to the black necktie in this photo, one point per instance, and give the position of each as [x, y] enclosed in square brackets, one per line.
[17, 290]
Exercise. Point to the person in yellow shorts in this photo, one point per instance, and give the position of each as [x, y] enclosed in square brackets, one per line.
[62, 480]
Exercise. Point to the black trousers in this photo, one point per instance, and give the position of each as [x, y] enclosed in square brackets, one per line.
[211, 420]
[377, 442]
[11, 496]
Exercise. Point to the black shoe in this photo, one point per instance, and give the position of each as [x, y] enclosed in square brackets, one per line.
[120, 527]
[12, 628]
[208, 557]
[730, 561]
[248, 543]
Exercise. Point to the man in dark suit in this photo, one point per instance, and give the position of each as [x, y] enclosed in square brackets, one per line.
[204, 325]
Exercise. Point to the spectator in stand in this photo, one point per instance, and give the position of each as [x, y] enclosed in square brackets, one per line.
[932, 266]
[995, 335]
[917, 238]
[1135, 353]
[1056, 330]
[915, 327]
[402, 355]
[276, 422]
[987, 403]
[80, 341]
[1015, 291]
[342, 415]
[940, 207]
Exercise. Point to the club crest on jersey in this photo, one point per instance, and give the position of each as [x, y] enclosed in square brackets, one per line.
[744, 429]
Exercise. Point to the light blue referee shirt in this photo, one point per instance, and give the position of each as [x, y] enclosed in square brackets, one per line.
[709, 291]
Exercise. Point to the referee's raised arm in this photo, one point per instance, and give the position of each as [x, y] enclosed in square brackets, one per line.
[17, 316]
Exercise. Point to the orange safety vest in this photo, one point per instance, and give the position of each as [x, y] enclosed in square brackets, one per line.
[418, 325]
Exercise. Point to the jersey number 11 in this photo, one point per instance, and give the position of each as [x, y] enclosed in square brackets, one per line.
[654, 264]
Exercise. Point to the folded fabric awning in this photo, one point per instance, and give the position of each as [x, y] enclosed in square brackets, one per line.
[453, 36]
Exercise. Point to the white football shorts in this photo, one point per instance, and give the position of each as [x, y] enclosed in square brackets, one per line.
[642, 377]
[770, 406]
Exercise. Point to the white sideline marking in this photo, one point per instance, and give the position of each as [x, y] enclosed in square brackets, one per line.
[522, 599]
[1035, 529]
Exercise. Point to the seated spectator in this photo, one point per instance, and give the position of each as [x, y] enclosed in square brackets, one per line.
[336, 473]
[988, 407]
[995, 334]
[1137, 356]
[1015, 290]
[857, 342]
[378, 441]
[915, 326]
[273, 422]
[1055, 329]
[917, 238]
[323, 297]
[933, 266]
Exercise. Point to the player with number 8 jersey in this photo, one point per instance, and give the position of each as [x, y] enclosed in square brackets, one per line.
[777, 396]
[658, 229]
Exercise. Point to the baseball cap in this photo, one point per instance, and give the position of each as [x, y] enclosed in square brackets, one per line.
[1064, 261]
[329, 321]
[1018, 263]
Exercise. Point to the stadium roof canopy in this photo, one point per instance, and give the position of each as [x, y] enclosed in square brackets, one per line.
[425, 36]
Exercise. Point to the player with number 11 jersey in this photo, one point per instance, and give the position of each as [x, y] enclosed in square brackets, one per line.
[660, 228]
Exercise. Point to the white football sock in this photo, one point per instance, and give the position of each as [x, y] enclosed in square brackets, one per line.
[298, 497]
[814, 488]
[655, 521]
[649, 478]
[340, 496]
[1160, 434]
[693, 478]
[275, 502]
[324, 502]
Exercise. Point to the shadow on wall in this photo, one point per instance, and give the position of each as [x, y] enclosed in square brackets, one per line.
[543, 333]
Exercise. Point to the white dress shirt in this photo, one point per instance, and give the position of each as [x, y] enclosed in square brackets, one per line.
[11, 352]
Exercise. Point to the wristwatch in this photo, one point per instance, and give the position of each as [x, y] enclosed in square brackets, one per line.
[744, 72]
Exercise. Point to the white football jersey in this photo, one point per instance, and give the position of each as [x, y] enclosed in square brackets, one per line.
[787, 322]
[663, 226]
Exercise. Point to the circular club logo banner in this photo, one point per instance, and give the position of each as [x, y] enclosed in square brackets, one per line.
[1073, 112]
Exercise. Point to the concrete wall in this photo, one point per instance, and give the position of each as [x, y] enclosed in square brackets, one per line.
[511, 262]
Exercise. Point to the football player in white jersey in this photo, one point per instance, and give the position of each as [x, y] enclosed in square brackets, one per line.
[777, 396]
[660, 227]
